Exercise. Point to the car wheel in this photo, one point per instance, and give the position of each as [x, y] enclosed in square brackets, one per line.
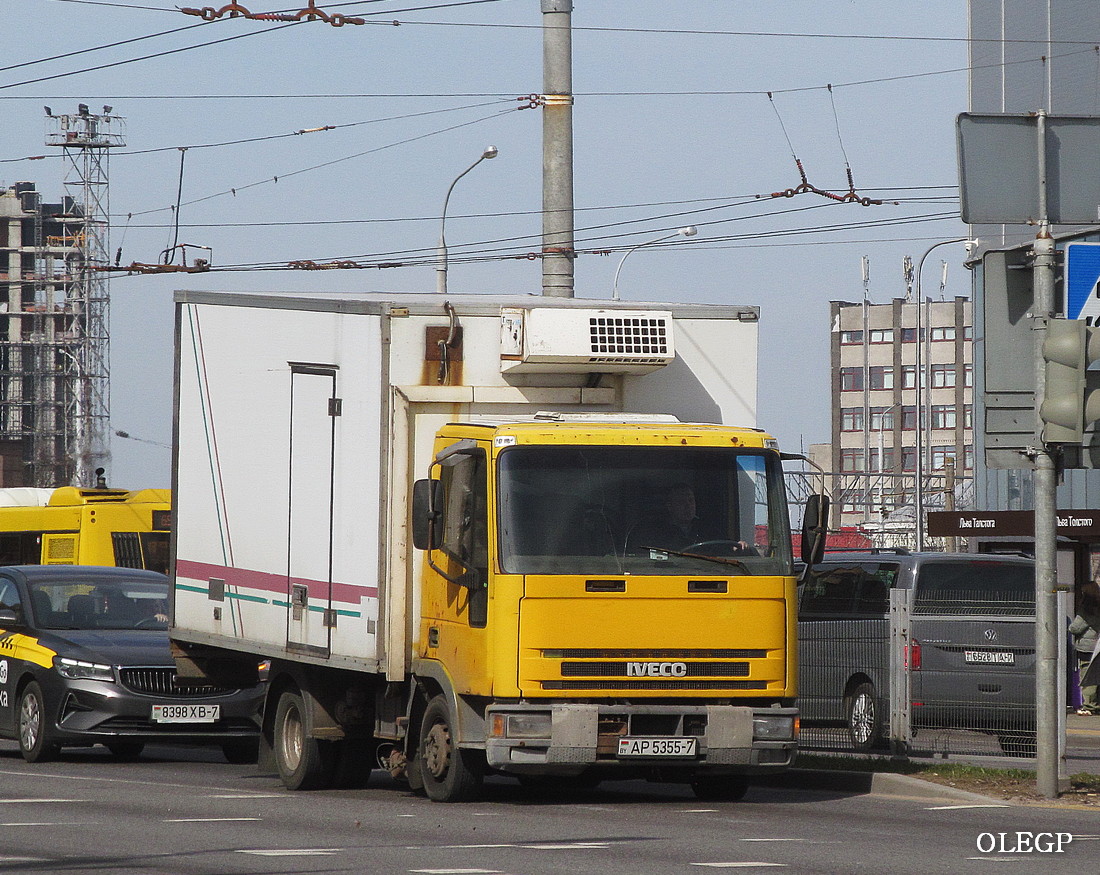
[726, 788]
[241, 752]
[864, 725]
[1020, 743]
[126, 751]
[304, 763]
[449, 774]
[35, 738]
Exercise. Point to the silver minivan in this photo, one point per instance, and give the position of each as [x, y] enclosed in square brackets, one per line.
[970, 651]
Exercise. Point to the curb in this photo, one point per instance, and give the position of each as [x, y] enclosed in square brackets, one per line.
[874, 784]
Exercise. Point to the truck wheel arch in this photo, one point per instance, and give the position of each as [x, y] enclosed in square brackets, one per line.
[432, 679]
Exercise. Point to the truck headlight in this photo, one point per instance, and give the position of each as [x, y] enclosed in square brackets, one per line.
[777, 728]
[533, 725]
[75, 669]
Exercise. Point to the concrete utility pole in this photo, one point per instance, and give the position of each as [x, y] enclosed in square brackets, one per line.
[1045, 483]
[557, 149]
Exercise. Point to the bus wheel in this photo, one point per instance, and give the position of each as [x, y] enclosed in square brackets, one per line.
[35, 741]
[450, 774]
[725, 788]
[863, 719]
[304, 763]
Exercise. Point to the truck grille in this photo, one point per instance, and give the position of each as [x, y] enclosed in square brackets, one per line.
[163, 682]
[654, 685]
[622, 669]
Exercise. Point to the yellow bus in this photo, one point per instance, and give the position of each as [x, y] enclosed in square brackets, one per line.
[73, 526]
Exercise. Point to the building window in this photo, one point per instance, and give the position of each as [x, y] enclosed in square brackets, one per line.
[968, 416]
[968, 332]
[849, 337]
[943, 376]
[940, 455]
[968, 376]
[882, 335]
[887, 459]
[851, 459]
[851, 379]
[968, 457]
[909, 335]
[851, 419]
[909, 459]
[882, 418]
[909, 376]
[944, 333]
[881, 377]
[909, 418]
[943, 416]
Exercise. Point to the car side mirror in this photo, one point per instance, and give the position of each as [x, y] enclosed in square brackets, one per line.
[815, 528]
[9, 618]
[427, 514]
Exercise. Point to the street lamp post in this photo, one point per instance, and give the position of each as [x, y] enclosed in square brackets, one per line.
[689, 231]
[918, 497]
[441, 270]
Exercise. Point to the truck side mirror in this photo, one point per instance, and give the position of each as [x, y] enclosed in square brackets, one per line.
[427, 514]
[9, 618]
[815, 526]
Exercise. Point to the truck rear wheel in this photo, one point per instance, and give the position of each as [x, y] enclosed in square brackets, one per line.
[304, 763]
[449, 774]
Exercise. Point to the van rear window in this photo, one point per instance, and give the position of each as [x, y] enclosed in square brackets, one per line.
[975, 588]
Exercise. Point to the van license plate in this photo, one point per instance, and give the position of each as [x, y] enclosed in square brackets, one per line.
[657, 747]
[186, 713]
[993, 657]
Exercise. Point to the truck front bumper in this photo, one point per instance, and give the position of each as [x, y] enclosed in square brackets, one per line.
[559, 738]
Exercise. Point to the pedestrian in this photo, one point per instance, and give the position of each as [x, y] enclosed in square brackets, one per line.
[1084, 630]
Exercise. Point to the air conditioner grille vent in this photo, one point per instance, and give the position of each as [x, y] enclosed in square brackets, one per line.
[630, 335]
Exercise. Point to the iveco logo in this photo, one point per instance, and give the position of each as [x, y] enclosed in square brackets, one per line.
[656, 669]
[990, 634]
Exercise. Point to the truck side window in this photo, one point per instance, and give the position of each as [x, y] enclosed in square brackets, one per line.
[466, 527]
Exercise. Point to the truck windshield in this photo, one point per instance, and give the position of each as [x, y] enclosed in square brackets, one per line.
[642, 510]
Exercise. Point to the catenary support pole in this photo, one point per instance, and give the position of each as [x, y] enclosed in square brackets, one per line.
[557, 149]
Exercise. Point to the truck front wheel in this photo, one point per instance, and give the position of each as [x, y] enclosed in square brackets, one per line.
[449, 774]
[304, 763]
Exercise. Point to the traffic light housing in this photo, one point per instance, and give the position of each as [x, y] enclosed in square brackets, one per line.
[1071, 399]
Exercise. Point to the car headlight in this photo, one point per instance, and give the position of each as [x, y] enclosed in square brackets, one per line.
[75, 669]
[775, 728]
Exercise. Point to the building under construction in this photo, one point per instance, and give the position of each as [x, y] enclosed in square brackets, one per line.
[54, 343]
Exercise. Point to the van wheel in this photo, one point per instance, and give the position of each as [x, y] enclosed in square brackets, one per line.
[864, 724]
[449, 774]
[727, 788]
[35, 737]
[304, 763]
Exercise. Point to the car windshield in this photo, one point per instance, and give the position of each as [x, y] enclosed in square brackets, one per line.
[99, 603]
[642, 510]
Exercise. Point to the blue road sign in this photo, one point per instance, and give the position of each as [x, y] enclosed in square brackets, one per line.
[1082, 276]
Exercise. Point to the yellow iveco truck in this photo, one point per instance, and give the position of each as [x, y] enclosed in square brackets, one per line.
[486, 535]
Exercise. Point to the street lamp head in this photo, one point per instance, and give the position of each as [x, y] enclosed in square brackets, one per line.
[490, 152]
[689, 231]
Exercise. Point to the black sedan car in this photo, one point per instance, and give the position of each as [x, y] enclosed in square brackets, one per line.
[85, 659]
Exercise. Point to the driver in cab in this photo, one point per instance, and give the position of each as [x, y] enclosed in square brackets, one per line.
[678, 527]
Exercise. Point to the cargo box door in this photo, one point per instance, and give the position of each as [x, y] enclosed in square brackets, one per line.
[314, 408]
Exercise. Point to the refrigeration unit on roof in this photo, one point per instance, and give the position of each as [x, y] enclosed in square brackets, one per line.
[573, 340]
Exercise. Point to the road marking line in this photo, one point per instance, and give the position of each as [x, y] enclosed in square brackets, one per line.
[957, 807]
[206, 819]
[1001, 859]
[772, 840]
[29, 801]
[293, 852]
[741, 865]
[699, 811]
[457, 871]
[250, 796]
[51, 823]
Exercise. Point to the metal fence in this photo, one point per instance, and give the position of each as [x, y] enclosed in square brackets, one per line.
[940, 673]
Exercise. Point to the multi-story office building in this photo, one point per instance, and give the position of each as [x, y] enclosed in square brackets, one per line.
[902, 400]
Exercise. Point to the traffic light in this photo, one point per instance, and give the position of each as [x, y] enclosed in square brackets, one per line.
[1072, 396]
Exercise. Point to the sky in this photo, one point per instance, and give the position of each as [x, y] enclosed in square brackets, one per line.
[691, 112]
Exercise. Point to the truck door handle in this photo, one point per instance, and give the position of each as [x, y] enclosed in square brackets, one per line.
[605, 585]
